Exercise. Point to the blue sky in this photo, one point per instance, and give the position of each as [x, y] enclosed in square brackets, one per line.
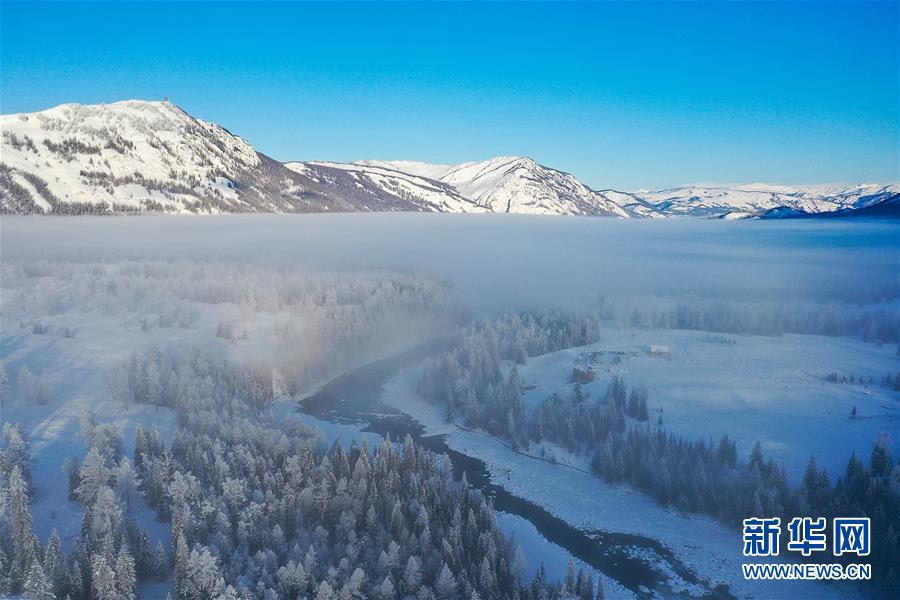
[622, 95]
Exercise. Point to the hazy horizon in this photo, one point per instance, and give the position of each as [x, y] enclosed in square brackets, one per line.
[505, 262]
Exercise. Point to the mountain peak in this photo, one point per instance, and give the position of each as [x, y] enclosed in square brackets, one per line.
[139, 155]
[151, 155]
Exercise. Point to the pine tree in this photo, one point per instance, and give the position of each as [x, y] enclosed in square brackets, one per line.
[93, 475]
[387, 588]
[539, 582]
[106, 520]
[37, 585]
[140, 447]
[103, 579]
[14, 451]
[325, 592]
[585, 585]
[643, 411]
[127, 482]
[54, 566]
[160, 564]
[22, 536]
[4, 573]
[181, 565]
[125, 577]
[202, 579]
[445, 586]
[75, 580]
[412, 576]
[569, 584]
[881, 461]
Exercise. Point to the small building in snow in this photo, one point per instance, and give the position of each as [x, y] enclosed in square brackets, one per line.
[660, 351]
[582, 375]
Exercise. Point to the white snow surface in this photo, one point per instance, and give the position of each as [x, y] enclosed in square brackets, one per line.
[508, 184]
[137, 146]
[767, 389]
[711, 550]
[152, 155]
[751, 199]
[517, 184]
[413, 167]
[432, 195]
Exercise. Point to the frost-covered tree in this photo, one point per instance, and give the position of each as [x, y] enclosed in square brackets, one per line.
[105, 516]
[201, 579]
[127, 482]
[14, 452]
[387, 590]
[37, 584]
[93, 475]
[160, 564]
[118, 386]
[445, 586]
[125, 575]
[22, 536]
[412, 576]
[54, 562]
[103, 579]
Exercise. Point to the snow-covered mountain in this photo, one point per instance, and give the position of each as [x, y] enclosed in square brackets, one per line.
[152, 156]
[506, 184]
[413, 167]
[742, 201]
[515, 184]
[138, 156]
[377, 182]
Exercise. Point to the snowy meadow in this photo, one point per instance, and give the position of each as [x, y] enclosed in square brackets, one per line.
[652, 382]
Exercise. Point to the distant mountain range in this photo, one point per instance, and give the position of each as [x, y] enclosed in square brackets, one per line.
[141, 156]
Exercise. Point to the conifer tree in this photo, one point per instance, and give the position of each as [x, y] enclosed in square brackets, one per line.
[54, 562]
[22, 536]
[103, 579]
[125, 576]
[37, 585]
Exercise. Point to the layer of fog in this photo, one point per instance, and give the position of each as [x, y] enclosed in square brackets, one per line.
[503, 262]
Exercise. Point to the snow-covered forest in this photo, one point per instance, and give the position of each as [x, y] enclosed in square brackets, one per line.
[256, 510]
[478, 385]
[166, 426]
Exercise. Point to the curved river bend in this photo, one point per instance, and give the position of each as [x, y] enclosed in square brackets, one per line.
[355, 397]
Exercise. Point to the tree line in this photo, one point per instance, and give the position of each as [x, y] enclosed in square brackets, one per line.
[258, 509]
[626, 445]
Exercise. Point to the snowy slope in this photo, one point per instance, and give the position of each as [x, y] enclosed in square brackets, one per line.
[152, 156]
[138, 155]
[413, 167]
[515, 184]
[382, 183]
[752, 199]
[634, 204]
[509, 184]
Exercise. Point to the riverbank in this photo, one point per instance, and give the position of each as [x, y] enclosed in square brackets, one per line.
[709, 550]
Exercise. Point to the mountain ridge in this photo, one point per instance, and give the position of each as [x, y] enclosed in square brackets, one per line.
[152, 156]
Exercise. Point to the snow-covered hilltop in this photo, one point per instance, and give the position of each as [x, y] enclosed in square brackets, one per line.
[515, 184]
[754, 199]
[507, 184]
[141, 156]
[152, 156]
[375, 183]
